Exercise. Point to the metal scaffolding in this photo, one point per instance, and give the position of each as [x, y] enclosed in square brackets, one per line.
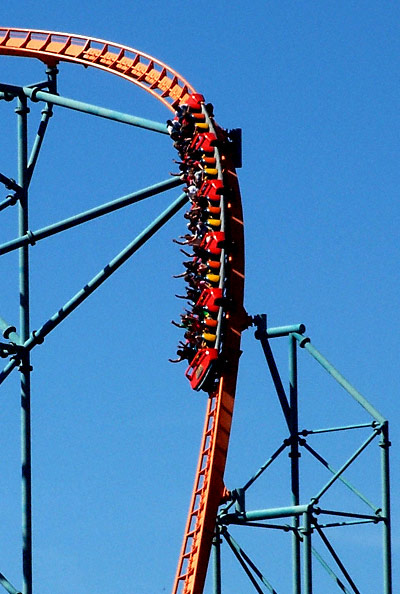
[310, 519]
[19, 344]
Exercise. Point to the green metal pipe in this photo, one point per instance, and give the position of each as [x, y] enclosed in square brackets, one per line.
[217, 561]
[341, 478]
[38, 336]
[7, 585]
[47, 112]
[330, 571]
[336, 557]
[96, 110]
[294, 463]
[247, 563]
[285, 330]
[261, 335]
[337, 475]
[9, 332]
[330, 512]
[353, 523]
[9, 183]
[9, 201]
[33, 236]
[265, 466]
[25, 369]
[117, 116]
[387, 546]
[12, 364]
[306, 531]
[264, 514]
[306, 344]
[306, 432]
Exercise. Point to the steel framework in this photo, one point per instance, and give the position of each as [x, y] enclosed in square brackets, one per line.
[310, 519]
[205, 524]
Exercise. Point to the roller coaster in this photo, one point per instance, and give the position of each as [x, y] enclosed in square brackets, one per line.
[213, 321]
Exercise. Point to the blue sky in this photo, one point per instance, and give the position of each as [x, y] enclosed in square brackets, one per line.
[116, 428]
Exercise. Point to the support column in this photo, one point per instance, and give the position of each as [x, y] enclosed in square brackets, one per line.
[25, 368]
[307, 553]
[217, 561]
[387, 548]
[294, 462]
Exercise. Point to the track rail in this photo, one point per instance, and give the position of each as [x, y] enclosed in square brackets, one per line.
[208, 490]
[143, 70]
[171, 89]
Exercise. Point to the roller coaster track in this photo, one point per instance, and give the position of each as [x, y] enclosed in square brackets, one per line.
[171, 89]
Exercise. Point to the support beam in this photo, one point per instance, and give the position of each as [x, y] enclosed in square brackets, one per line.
[306, 344]
[25, 368]
[387, 547]
[294, 462]
[39, 335]
[88, 108]
[31, 237]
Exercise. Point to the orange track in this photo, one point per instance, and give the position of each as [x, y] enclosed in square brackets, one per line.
[209, 484]
[169, 87]
[152, 75]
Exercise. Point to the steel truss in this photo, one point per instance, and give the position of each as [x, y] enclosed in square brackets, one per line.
[310, 520]
[305, 515]
[19, 345]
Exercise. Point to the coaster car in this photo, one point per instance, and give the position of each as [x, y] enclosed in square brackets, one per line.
[201, 371]
[210, 299]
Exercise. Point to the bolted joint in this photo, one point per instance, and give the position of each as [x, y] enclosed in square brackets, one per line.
[22, 110]
[10, 348]
[260, 320]
[31, 237]
[12, 199]
[239, 497]
[294, 454]
[38, 339]
[304, 341]
[24, 363]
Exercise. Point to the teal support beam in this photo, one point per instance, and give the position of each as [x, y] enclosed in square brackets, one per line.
[306, 531]
[306, 432]
[88, 108]
[306, 344]
[7, 585]
[217, 561]
[261, 334]
[330, 572]
[332, 470]
[337, 560]
[285, 330]
[9, 183]
[338, 474]
[39, 335]
[47, 112]
[9, 332]
[248, 566]
[31, 237]
[264, 514]
[387, 547]
[25, 368]
[294, 462]
[9, 201]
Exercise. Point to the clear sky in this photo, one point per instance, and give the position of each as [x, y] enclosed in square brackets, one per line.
[116, 428]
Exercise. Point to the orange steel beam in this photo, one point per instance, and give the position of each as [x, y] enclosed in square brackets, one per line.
[209, 484]
[170, 88]
[143, 70]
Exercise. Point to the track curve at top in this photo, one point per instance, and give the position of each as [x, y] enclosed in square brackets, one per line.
[143, 70]
[171, 89]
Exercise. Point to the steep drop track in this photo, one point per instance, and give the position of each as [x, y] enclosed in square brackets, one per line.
[171, 89]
